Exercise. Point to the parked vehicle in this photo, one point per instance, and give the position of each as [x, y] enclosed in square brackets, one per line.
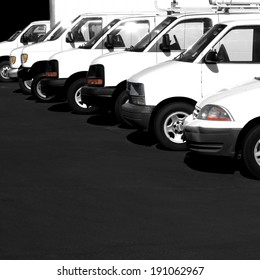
[162, 96]
[15, 59]
[175, 34]
[228, 124]
[28, 35]
[67, 70]
[68, 36]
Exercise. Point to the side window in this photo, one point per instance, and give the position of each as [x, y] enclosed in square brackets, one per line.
[185, 34]
[34, 33]
[239, 45]
[128, 34]
[86, 29]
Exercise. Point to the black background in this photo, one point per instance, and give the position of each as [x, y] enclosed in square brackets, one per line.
[20, 13]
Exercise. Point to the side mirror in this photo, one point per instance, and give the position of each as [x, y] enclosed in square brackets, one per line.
[109, 44]
[166, 43]
[211, 57]
[24, 39]
[70, 37]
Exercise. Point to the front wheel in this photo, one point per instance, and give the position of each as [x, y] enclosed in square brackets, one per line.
[4, 67]
[74, 98]
[168, 125]
[37, 91]
[25, 85]
[121, 99]
[251, 152]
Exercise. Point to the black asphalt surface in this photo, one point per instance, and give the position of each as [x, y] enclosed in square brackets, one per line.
[82, 187]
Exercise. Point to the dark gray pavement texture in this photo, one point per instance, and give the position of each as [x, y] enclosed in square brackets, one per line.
[81, 187]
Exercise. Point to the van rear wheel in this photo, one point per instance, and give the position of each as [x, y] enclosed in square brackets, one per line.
[168, 125]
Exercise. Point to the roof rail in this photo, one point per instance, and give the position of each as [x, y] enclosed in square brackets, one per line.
[225, 5]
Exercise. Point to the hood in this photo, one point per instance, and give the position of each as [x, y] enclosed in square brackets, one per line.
[124, 64]
[170, 79]
[17, 51]
[6, 47]
[42, 47]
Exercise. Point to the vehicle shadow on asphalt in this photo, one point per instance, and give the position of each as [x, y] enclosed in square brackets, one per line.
[102, 119]
[215, 164]
[60, 107]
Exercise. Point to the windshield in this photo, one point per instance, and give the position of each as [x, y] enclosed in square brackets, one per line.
[192, 52]
[141, 45]
[58, 33]
[14, 36]
[93, 41]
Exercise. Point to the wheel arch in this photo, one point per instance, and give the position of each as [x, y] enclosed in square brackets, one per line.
[167, 101]
[119, 88]
[74, 77]
[252, 123]
[4, 58]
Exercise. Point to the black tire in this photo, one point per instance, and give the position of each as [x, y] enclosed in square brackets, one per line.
[4, 67]
[251, 152]
[167, 126]
[121, 99]
[37, 92]
[25, 85]
[74, 98]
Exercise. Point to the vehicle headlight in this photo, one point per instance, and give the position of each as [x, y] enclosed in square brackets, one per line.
[135, 91]
[96, 75]
[12, 59]
[24, 57]
[214, 113]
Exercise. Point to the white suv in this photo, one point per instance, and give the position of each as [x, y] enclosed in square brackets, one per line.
[228, 124]
[162, 96]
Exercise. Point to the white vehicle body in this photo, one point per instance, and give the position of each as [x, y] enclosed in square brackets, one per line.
[59, 42]
[157, 92]
[66, 68]
[77, 60]
[28, 35]
[15, 54]
[228, 124]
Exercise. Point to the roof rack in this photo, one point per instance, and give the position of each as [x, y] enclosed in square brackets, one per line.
[173, 9]
[225, 5]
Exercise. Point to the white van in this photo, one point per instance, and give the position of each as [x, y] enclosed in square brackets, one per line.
[66, 71]
[15, 59]
[30, 34]
[162, 96]
[165, 42]
[68, 36]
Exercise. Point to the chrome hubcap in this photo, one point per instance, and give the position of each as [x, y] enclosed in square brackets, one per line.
[257, 152]
[173, 127]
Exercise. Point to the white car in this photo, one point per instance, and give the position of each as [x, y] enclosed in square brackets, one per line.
[228, 124]
[162, 96]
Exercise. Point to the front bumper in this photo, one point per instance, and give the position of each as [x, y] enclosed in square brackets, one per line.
[97, 96]
[12, 73]
[52, 86]
[212, 141]
[137, 115]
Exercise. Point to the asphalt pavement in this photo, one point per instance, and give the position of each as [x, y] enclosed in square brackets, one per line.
[82, 187]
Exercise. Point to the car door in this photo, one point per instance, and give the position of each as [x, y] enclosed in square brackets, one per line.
[181, 36]
[238, 59]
